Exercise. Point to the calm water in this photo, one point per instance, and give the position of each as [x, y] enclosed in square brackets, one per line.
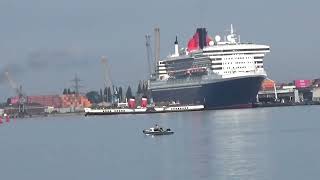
[267, 143]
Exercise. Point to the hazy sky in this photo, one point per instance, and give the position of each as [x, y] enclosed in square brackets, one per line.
[45, 43]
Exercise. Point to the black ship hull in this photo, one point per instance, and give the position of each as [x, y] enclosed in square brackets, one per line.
[231, 93]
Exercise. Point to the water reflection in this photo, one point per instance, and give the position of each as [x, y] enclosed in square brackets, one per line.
[201, 153]
[224, 144]
[228, 144]
[238, 149]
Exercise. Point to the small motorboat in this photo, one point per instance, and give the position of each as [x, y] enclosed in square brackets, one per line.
[157, 131]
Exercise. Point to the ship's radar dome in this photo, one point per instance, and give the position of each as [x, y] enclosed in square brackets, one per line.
[217, 38]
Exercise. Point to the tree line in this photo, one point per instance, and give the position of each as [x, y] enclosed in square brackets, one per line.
[115, 93]
[68, 91]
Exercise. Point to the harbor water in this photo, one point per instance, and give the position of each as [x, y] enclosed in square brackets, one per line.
[261, 143]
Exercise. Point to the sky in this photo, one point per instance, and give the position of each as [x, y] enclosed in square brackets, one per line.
[44, 44]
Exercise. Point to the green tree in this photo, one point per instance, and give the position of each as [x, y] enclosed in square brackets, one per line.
[120, 94]
[8, 101]
[93, 96]
[65, 91]
[105, 94]
[129, 93]
[145, 88]
[101, 96]
[139, 91]
[109, 96]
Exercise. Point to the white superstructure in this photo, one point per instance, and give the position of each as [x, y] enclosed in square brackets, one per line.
[224, 59]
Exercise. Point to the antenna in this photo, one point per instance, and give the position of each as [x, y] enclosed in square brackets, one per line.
[76, 85]
[232, 36]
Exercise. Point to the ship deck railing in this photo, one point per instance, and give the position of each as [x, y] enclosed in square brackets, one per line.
[183, 82]
[194, 81]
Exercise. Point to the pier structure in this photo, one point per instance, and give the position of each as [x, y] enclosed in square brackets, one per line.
[280, 95]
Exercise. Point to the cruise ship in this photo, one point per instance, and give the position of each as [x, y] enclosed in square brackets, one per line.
[215, 72]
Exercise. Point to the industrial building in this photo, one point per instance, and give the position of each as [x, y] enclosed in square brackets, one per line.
[37, 105]
[296, 92]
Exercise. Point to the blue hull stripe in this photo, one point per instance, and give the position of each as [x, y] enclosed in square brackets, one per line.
[232, 93]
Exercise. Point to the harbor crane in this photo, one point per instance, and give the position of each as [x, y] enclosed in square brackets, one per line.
[18, 90]
[107, 76]
[149, 54]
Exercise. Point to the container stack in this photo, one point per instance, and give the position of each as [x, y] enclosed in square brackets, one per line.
[57, 101]
[302, 83]
[14, 100]
[72, 100]
[46, 100]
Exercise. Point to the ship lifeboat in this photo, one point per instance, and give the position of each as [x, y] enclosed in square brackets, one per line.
[197, 70]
